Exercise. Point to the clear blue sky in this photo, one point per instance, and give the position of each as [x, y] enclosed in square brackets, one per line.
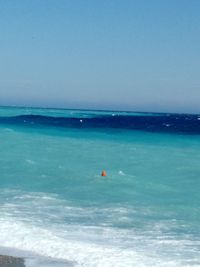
[105, 54]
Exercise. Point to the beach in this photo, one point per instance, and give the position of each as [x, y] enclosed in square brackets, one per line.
[12, 261]
[9, 261]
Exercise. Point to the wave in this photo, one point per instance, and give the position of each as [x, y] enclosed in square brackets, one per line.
[83, 251]
[87, 246]
[169, 123]
[23, 228]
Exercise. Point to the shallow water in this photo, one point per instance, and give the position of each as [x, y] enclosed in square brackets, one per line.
[55, 203]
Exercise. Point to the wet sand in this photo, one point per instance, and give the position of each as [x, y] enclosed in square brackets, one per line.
[9, 261]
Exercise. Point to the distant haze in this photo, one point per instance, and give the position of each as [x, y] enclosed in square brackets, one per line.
[124, 55]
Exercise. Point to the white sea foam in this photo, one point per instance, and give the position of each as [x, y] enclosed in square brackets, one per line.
[43, 262]
[32, 162]
[83, 253]
[45, 242]
[121, 173]
[28, 223]
[8, 130]
[167, 124]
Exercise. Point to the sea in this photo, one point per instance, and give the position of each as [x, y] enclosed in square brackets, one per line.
[56, 209]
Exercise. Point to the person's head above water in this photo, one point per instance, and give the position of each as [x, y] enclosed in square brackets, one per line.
[103, 173]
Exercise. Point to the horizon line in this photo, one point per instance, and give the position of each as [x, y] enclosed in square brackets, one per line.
[98, 110]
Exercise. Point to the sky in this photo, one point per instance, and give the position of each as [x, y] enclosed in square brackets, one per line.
[99, 54]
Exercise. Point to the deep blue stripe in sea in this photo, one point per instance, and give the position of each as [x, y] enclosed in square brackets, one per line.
[57, 210]
[172, 123]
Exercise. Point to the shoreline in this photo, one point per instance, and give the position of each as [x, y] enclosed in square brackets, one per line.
[15, 261]
[10, 261]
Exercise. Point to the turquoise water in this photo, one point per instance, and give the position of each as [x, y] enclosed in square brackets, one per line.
[55, 203]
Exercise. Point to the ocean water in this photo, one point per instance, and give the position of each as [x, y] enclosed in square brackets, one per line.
[57, 210]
